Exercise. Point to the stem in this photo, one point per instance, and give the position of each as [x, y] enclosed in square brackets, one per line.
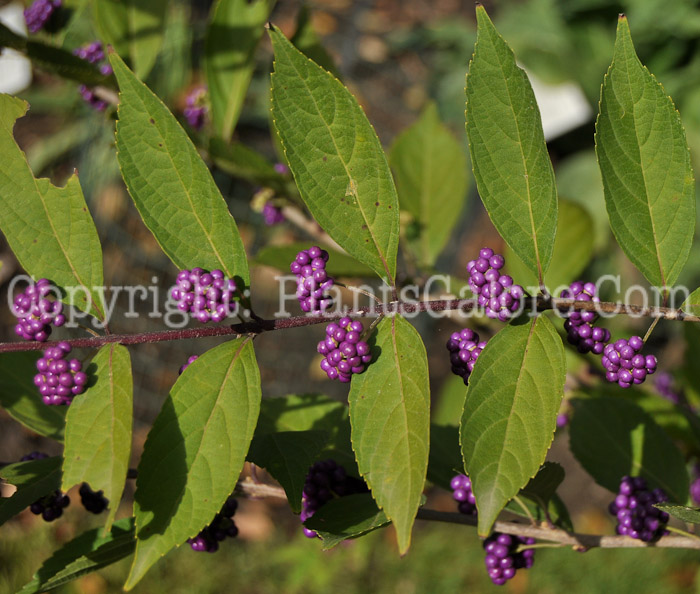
[525, 509]
[651, 329]
[535, 304]
[682, 532]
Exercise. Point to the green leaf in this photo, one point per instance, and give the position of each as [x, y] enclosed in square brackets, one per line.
[305, 412]
[21, 399]
[134, 28]
[445, 457]
[692, 304]
[287, 456]
[195, 450]
[307, 42]
[430, 168]
[33, 480]
[231, 38]
[336, 158]
[390, 418]
[612, 438]
[55, 59]
[239, 160]
[98, 428]
[170, 184]
[683, 513]
[511, 165]
[84, 554]
[557, 511]
[346, 517]
[573, 248]
[48, 228]
[544, 484]
[450, 402]
[645, 164]
[339, 264]
[510, 412]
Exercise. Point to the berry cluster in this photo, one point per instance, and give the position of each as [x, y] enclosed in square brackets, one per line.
[325, 480]
[464, 347]
[207, 296]
[59, 379]
[49, 506]
[461, 486]
[93, 501]
[221, 527]
[634, 508]
[312, 279]
[191, 359]
[195, 111]
[39, 13]
[35, 313]
[496, 292]
[580, 331]
[344, 352]
[625, 365]
[272, 215]
[93, 53]
[502, 559]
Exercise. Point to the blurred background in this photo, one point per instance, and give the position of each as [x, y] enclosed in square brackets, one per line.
[396, 57]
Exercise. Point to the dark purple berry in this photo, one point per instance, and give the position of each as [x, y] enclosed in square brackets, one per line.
[189, 362]
[221, 528]
[580, 331]
[272, 215]
[93, 53]
[502, 557]
[326, 480]
[634, 508]
[93, 501]
[464, 348]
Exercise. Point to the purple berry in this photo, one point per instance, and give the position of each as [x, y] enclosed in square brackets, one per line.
[502, 559]
[93, 53]
[93, 501]
[189, 362]
[35, 313]
[196, 110]
[206, 296]
[462, 493]
[59, 380]
[464, 348]
[345, 354]
[39, 13]
[220, 528]
[324, 481]
[623, 363]
[272, 215]
[312, 280]
[495, 291]
[634, 508]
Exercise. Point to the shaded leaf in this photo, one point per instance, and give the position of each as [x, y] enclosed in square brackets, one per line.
[389, 414]
[510, 411]
[48, 228]
[84, 554]
[231, 38]
[511, 165]
[450, 402]
[692, 304]
[33, 479]
[170, 184]
[445, 457]
[134, 28]
[346, 517]
[307, 42]
[195, 451]
[336, 158]
[287, 456]
[545, 483]
[98, 428]
[612, 438]
[645, 164]
[21, 399]
[430, 168]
